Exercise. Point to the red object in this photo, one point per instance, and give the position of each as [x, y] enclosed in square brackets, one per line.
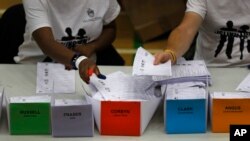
[120, 118]
[90, 72]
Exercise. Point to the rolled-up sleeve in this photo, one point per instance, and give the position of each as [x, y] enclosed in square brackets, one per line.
[112, 12]
[197, 6]
[36, 14]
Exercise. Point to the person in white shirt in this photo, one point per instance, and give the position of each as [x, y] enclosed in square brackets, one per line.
[223, 33]
[69, 32]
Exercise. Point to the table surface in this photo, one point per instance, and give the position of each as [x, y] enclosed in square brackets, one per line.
[21, 80]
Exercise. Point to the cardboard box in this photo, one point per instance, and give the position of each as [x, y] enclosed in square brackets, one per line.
[123, 118]
[152, 18]
[72, 118]
[29, 115]
[185, 113]
[229, 108]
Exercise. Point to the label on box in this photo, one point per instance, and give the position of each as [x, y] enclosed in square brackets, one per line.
[120, 118]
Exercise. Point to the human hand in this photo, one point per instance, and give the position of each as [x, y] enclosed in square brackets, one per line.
[163, 57]
[86, 68]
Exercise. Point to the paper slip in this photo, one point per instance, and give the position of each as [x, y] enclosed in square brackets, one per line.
[244, 85]
[53, 78]
[187, 90]
[30, 99]
[230, 95]
[69, 102]
[143, 65]
[185, 71]
[118, 86]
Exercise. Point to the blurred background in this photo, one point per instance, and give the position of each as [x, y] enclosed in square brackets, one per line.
[144, 23]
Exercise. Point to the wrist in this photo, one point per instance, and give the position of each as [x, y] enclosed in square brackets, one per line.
[76, 59]
[172, 55]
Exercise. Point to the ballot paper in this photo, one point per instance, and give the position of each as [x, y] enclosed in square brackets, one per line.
[53, 78]
[119, 86]
[143, 65]
[186, 90]
[185, 71]
[244, 85]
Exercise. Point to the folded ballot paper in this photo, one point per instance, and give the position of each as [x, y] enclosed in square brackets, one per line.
[183, 71]
[143, 65]
[53, 78]
[1, 100]
[244, 86]
[71, 118]
[229, 108]
[122, 104]
[185, 108]
[28, 115]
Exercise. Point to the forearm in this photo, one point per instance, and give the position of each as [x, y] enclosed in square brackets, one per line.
[51, 47]
[179, 41]
[106, 38]
[182, 37]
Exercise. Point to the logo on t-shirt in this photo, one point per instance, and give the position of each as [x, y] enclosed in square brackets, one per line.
[91, 13]
[229, 34]
[71, 41]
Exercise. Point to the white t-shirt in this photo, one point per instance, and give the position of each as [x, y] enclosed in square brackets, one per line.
[224, 33]
[71, 21]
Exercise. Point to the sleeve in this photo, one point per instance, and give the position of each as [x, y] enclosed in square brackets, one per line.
[112, 12]
[197, 6]
[36, 14]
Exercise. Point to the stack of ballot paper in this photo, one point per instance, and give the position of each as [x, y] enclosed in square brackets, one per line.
[53, 78]
[229, 108]
[71, 117]
[184, 71]
[143, 65]
[244, 86]
[1, 100]
[28, 114]
[122, 104]
[185, 108]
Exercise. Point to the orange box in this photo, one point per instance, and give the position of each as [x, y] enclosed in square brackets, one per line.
[123, 118]
[228, 108]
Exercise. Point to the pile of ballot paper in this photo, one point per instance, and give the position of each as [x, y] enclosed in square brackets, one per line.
[186, 71]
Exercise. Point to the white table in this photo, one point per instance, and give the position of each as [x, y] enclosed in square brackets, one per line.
[21, 80]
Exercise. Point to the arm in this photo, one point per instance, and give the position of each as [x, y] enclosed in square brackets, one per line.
[104, 40]
[45, 39]
[181, 38]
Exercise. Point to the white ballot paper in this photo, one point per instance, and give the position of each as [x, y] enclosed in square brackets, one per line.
[183, 71]
[186, 90]
[143, 65]
[119, 86]
[244, 85]
[53, 78]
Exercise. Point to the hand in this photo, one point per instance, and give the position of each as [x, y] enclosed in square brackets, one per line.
[161, 57]
[85, 49]
[85, 66]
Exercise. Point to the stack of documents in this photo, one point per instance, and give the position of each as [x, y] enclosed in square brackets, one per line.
[1, 100]
[184, 71]
[72, 117]
[53, 78]
[185, 108]
[229, 108]
[29, 114]
[120, 86]
[143, 65]
[122, 104]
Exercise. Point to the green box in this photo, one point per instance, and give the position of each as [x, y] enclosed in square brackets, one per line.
[29, 118]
